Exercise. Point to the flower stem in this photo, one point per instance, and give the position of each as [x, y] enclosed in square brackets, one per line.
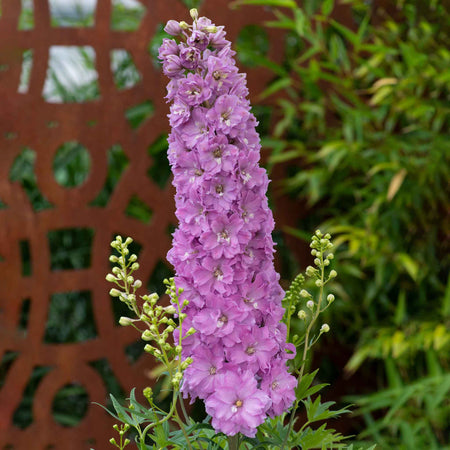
[233, 442]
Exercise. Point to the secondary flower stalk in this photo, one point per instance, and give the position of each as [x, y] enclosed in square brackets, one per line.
[223, 250]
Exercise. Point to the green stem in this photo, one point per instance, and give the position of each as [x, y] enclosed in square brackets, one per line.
[233, 442]
[305, 351]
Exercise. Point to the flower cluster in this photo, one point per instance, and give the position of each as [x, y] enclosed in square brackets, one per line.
[223, 250]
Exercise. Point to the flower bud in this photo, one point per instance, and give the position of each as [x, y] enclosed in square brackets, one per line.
[114, 292]
[333, 274]
[110, 277]
[128, 241]
[184, 25]
[147, 335]
[330, 298]
[194, 13]
[317, 261]
[137, 284]
[125, 321]
[211, 29]
[304, 293]
[113, 258]
[135, 266]
[301, 314]
[310, 304]
[173, 28]
[319, 283]
[170, 309]
[325, 328]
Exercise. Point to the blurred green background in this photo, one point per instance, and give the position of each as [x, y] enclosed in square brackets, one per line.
[356, 121]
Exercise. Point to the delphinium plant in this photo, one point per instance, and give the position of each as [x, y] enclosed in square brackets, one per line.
[225, 338]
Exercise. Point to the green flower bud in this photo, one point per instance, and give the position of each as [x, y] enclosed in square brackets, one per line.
[148, 393]
[133, 258]
[330, 298]
[184, 25]
[147, 335]
[110, 277]
[333, 274]
[325, 328]
[310, 304]
[125, 321]
[194, 13]
[114, 293]
[304, 293]
[301, 314]
[319, 283]
[128, 241]
[113, 258]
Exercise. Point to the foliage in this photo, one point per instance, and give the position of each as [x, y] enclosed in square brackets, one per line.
[156, 428]
[361, 128]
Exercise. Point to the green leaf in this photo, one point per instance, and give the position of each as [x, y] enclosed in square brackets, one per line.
[327, 7]
[409, 264]
[276, 86]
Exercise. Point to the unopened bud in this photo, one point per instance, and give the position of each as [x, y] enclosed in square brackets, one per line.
[125, 321]
[330, 298]
[194, 13]
[184, 25]
[319, 283]
[325, 328]
[114, 292]
[211, 29]
[146, 335]
[173, 28]
[333, 274]
[128, 241]
[310, 304]
[137, 284]
[148, 393]
[301, 314]
[110, 277]
[304, 293]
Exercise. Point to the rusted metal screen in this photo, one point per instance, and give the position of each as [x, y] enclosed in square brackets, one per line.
[46, 207]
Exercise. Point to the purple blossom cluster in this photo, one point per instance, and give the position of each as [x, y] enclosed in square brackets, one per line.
[223, 250]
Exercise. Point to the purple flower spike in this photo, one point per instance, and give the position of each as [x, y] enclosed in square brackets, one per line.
[223, 250]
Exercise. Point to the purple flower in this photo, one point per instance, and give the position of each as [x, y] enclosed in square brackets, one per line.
[280, 386]
[179, 113]
[237, 405]
[172, 66]
[227, 113]
[223, 250]
[193, 90]
[173, 28]
[199, 40]
[190, 57]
